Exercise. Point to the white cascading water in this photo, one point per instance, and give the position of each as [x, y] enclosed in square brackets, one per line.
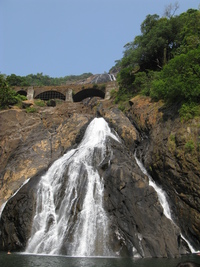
[70, 218]
[161, 194]
[162, 199]
[112, 77]
[4, 204]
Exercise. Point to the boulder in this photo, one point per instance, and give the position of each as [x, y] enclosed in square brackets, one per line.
[27, 103]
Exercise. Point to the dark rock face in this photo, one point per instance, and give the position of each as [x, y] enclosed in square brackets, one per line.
[17, 216]
[175, 170]
[170, 153]
[137, 219]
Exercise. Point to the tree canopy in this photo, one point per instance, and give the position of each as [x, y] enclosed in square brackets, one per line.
[163, 61]
[179, 79]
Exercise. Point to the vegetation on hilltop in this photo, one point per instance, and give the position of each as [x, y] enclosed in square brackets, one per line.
[43, 80]
[163, 62]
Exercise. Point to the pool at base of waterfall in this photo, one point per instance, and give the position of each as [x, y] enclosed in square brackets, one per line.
[28, 260]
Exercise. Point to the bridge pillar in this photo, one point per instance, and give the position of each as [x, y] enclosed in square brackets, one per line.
[107, 93]
[69, 97]
[30, 93]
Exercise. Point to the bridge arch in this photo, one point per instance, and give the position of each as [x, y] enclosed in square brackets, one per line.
[85, 93]
[50, 95]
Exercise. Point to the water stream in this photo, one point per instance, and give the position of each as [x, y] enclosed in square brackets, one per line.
[162, 199]
[112, 77]
[161, 194]
[70, 218]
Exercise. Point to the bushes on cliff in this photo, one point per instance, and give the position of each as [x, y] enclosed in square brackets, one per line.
[7, 95]
[189, 111]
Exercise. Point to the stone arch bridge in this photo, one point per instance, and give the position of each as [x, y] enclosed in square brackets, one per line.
[69, 93]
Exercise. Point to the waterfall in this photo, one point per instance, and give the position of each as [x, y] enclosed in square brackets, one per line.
[70, 218]
[112, 77]
[2, 208]
[161, 194]
[162, 199]
[4, 204]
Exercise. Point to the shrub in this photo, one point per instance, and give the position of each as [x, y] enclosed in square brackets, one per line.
[7, 96]
[113, 93]
[31, 110]
[121, 106]
[51, 103]
[158, 90]
[122, 95]
[143, 81]
[40, 103]
[189, 111]
[189, 146]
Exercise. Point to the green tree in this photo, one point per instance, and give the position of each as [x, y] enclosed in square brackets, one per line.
[188, 37]
[7, 96]
[153, 48]
[180, 79]
[14, 80]
[161, 41]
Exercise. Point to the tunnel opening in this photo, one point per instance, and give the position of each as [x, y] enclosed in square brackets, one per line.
[85, 93]
[50, 95]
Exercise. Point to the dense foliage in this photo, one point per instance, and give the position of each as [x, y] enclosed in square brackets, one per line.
[7, 95]
[43, 80]
[164, 60]
[180, 78]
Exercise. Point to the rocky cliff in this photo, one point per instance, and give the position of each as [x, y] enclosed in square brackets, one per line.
[170, 152]
[29, 143]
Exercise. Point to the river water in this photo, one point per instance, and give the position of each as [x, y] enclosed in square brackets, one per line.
[25, 260]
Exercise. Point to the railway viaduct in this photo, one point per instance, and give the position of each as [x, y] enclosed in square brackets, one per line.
[68, 93]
